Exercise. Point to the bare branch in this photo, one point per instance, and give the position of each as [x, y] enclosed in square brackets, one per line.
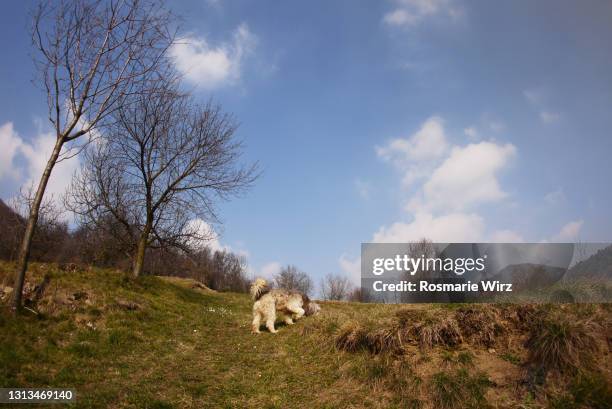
[168, 162]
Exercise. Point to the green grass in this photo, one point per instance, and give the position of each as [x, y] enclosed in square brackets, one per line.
[510, 357]
[182, 348]
[459, 390]
[586, 390]
[186, 348]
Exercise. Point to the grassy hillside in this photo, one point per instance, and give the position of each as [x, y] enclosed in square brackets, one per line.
[160, 343]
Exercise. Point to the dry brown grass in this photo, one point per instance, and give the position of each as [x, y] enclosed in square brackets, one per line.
[562, 344]
[383, 340]
[482, 325]
[522, 316]
[425, 329]
[351, 337]
[435, 330]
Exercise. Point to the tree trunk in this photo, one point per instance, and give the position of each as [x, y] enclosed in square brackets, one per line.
[140, 252]
[26, 242]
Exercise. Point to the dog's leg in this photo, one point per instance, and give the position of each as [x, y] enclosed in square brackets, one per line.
[256, 322]
[298, 312]
[288, 320]
[270, 318]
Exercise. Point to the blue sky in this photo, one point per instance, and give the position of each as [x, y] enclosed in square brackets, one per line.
[385, 121]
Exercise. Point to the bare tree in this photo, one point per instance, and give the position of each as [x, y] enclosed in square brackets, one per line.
[422, 248]
[168, 162]
[358, 295]
[291, 278]
[52, 228]
[228, 272]
[417, 249]
[89, 54]
[335, 287]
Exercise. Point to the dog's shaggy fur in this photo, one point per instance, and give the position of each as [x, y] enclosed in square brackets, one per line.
[267, 302]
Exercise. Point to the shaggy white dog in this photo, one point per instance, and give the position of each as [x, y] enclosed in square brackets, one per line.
[267, 302]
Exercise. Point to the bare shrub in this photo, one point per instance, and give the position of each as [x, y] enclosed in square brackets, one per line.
[291, 278]
[358, 295]
[335, 287]
[51, 231]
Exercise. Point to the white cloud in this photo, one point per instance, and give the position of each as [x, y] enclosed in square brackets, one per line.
[211, 67]
[208, 237]
[462, 178]
[427, 143]
[400, 17]
[466, 178]
[471, 132]
[496, 126]
[31, 159]
[363, 188]
[269, 270]
[550, 117]
[409, 13]
[352, 268]
[37, 154]
[533, 96]
[11, 144]
[537, 99]
[416, 173]
[452, 227]
[569, 232]
[506, 236]
[417, 154]
[555, 197]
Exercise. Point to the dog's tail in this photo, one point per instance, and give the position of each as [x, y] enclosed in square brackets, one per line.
[259, 288]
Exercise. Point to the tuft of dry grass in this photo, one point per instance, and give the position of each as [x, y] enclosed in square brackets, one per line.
[523, 316]
[562, 344]
[429, 328]
[406, 316]
[435, 330]
[351, 337]
[383, 340]
[480, 324]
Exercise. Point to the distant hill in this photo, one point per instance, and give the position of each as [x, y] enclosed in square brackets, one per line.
[7, 214]
[599, 265]
[11, 225]
[530, 276]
